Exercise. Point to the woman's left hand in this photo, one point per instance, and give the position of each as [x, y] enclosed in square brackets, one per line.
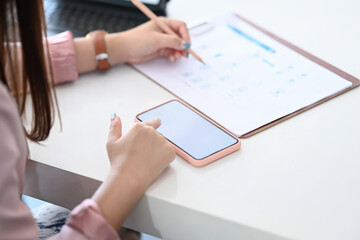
[148, 41]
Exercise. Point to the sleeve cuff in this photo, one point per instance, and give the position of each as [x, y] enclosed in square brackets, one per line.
[87, 219]
[63, 57]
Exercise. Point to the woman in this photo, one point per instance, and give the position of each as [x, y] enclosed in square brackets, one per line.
[28, 66]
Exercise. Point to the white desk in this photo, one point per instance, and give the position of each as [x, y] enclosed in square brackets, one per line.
[299, 179]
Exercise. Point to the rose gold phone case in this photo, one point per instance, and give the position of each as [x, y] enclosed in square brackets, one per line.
[209, 159]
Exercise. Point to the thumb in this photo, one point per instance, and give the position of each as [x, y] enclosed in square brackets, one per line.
[172, 41]
[115, 128]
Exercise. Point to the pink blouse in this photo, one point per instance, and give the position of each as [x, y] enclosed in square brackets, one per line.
[63, 57]
[16, 220]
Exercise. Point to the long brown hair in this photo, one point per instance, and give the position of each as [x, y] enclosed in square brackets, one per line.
[22, 30]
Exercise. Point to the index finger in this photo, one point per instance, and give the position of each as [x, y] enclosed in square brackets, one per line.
[153, 123]
[179, 27]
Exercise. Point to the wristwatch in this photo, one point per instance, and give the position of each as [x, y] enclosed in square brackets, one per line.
[101, 55]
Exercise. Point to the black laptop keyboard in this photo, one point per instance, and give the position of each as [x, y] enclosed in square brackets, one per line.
[82, 18]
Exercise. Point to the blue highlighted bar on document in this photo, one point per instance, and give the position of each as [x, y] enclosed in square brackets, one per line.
[251, 39]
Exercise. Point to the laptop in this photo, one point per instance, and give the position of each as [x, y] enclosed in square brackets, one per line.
[83, 16]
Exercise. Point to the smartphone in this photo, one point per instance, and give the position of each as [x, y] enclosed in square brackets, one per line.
[195, 137]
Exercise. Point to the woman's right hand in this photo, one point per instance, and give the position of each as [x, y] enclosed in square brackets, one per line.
[141, 154]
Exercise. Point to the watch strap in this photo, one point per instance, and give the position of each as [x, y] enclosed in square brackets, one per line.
[101, 55]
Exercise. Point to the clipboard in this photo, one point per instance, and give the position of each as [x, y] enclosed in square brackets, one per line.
[250, 34]
[354, 81]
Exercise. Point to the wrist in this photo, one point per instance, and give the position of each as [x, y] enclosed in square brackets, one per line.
[133, 178]
[117, 49]
[117, 196]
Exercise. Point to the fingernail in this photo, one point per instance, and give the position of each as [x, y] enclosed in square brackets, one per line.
[113, 116]
[185, 45]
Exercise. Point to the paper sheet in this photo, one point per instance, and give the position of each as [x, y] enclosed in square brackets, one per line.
[249, 79]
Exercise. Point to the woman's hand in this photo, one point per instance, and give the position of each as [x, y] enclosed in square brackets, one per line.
[148, 41]
[139, 44]
[137, 159]
[141, 154]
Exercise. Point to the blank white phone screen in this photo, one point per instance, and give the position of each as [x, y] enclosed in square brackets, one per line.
[188, 130]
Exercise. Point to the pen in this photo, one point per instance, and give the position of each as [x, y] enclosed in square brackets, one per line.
[161, 25]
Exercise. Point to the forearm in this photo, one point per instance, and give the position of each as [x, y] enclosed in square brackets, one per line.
[85, 51]
[117, 196]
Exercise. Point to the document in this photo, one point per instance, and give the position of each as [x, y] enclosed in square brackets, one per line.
[249, 79]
